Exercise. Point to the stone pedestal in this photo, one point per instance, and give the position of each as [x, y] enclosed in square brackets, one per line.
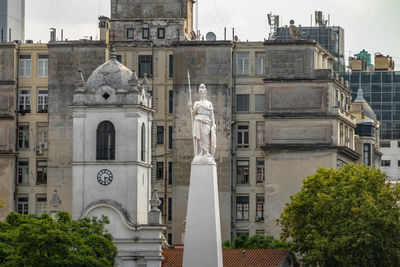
[202, 246]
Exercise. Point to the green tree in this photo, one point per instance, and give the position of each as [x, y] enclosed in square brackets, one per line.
[28, 240]
[256, 241]
[346, 217]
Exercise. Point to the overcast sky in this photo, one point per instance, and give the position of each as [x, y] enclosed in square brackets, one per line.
[373, 25]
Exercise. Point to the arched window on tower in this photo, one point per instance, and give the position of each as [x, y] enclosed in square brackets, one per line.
[105, 141]
[143, 144]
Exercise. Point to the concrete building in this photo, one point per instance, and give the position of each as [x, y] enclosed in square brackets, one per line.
[381, 90]
[25, 75]
[330, 37]
[277, 104]
[12, 20]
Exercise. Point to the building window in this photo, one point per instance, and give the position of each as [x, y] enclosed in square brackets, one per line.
[259, 102]
[23, 137]
[160, 170]
[43, 66]
[398, 163]
[22, 204]
[41, 134]
[23, 172]
[242, 208]
[259, 208]
[143, 144]
[25, 66]
[160, 135]
[41, 173]
[24, 100]
[260, 64]
[105, 141]
[351, 137]
[346, 136]
[171, 66]
[242, 102]
[169, 238]
[42, 100]
[170, 134]
[260, 170]
[145, 33]
[385, 144]
[161, 33]
[129, 33]
[41, 205]
[170, 173]
[242, 63]
[385, 163]
[367, 155]
[242, 171]
[119, 58]
[341, 133]
[170, 101]
[242, 136]
[169, 209]
[145, 66]
[260, 132]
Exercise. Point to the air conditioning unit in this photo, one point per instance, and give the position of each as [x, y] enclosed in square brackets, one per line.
[38, 151]
[43, 145]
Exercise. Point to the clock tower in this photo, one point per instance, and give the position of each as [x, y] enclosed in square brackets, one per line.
[111, 167]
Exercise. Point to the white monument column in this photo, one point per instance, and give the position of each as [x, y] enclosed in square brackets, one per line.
[202, 245]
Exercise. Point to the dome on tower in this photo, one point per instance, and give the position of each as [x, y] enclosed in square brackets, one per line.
[111, 73]
[369, 112]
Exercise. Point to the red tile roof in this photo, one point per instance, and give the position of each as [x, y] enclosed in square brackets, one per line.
[234, 257]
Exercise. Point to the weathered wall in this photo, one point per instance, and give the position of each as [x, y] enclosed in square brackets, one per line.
[7, 126]
[282, 182]
[65, 59]
[210, 64]
[135, 9]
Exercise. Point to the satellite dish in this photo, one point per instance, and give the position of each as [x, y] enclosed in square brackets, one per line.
[210, 36]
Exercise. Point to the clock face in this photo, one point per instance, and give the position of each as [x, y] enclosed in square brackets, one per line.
[104, 177]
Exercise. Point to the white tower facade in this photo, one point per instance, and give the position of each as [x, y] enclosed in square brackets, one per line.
[111, 167]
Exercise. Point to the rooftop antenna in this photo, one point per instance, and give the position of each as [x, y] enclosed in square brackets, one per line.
[273, 21]
[196, 5]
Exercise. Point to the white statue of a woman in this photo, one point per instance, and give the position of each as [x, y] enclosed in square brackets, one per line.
[204, 137]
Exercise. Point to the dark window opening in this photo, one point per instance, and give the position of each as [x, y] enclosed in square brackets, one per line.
[145, 33]
[41, 174]
[170, 140]
[160, 170]
[160, 135]
[143, 144]
[170, 101]
[161, 33]
[129, 33]
[169, 173]
[169, 209]
[105, 141]
[145, 66]
[385, 163]
[171, 66]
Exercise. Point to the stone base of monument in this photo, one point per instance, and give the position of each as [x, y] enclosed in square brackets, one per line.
[202, 245]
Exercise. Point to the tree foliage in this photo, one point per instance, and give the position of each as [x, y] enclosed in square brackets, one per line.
[346, 217]
[28, 240]
[257, 241]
